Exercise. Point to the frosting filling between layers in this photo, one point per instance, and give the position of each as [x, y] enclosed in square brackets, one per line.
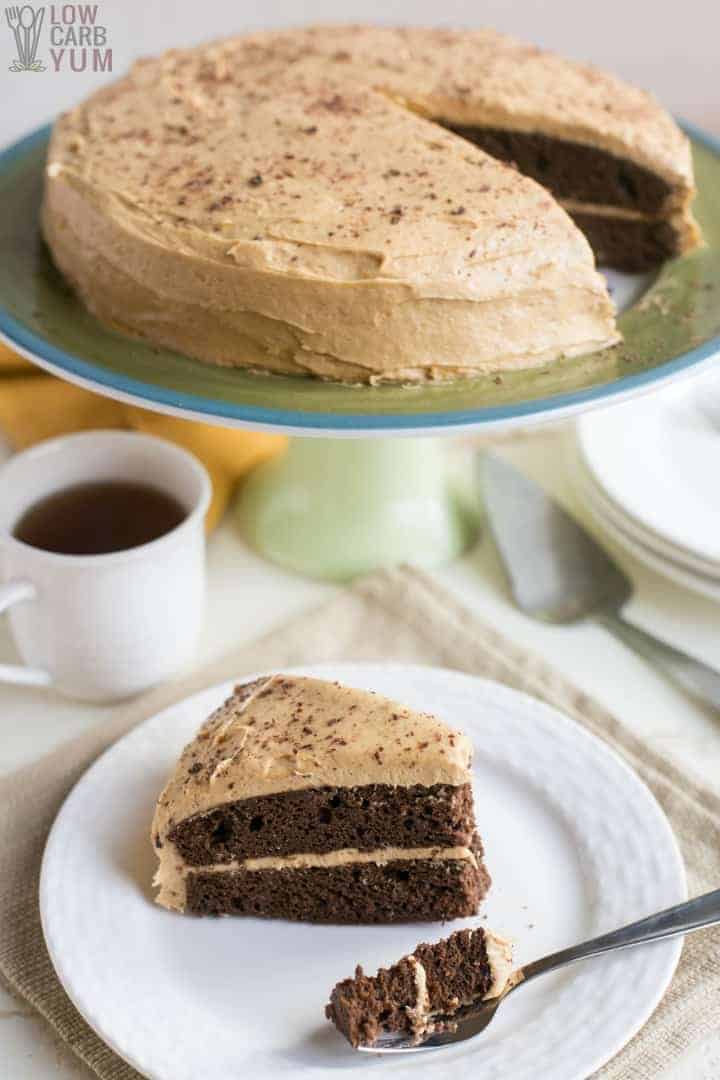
[170, 878]
[402, 890]
[342, 858]
[420, 1012]
[632, 217]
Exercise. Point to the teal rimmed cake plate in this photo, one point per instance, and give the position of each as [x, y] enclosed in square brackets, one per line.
[673, 328]
[670, 326]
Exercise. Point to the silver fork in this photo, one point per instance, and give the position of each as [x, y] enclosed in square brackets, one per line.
[682, 919]
[12, 14]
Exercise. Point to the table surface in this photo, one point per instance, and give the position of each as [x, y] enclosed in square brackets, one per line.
[248, 596]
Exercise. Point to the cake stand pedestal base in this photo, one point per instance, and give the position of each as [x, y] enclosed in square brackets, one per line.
[337, 508]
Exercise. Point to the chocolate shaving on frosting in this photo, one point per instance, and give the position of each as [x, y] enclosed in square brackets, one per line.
[328, 226]
[288, 733]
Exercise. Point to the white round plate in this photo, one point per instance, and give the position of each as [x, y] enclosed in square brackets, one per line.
[661, 564]
[575, 842]
[624, 532]
[657, 544]
[656, 458]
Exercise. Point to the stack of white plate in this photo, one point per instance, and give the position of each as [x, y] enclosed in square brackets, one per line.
[649, 472]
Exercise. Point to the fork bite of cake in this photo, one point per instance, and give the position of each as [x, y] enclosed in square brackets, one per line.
[424, 992]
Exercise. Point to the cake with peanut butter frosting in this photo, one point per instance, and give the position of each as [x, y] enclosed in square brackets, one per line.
[360, 203]
[308, 800]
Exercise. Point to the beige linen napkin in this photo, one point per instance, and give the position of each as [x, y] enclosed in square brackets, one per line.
[399, 615]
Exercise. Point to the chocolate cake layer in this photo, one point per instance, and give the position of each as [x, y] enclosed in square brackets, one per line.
[572, 170]
[456, 970]
[400, 891]
[364, 1007]
[326, 819]
[308, 219]
[628, 244]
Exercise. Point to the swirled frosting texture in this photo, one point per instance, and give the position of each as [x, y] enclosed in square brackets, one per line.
[280, 202]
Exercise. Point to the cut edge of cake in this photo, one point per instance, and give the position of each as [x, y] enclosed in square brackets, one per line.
[425, 991]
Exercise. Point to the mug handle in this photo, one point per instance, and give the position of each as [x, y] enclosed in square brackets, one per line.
[12, 593]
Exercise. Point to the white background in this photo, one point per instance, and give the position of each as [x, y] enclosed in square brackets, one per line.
[672, 49]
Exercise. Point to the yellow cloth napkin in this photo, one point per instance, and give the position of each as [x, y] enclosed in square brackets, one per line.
[36, 406]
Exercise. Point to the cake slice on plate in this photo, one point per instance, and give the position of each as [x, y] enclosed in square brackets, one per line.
[423, 992]
[305, 799]
[260, 203]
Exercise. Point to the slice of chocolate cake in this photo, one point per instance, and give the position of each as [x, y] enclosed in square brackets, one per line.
[422, 992]
[305, 799]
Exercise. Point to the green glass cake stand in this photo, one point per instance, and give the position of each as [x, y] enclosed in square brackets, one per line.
[356, 496]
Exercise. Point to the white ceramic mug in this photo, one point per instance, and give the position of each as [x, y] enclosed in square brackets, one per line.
[103, 627]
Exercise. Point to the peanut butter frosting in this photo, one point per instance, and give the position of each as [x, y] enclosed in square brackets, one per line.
[485, 78]
[172, 872]
[290, 732]
[285, 202]
[287, 733]
[500, 960]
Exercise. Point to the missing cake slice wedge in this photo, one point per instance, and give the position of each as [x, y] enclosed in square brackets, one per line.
[304, 799]
[424, 991]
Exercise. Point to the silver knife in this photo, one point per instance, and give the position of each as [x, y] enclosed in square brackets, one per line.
[558, 573]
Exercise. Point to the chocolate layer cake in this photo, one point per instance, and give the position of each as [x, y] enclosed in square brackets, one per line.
[422, 992]
[300, 202]
[304, 799]
[337, 201]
